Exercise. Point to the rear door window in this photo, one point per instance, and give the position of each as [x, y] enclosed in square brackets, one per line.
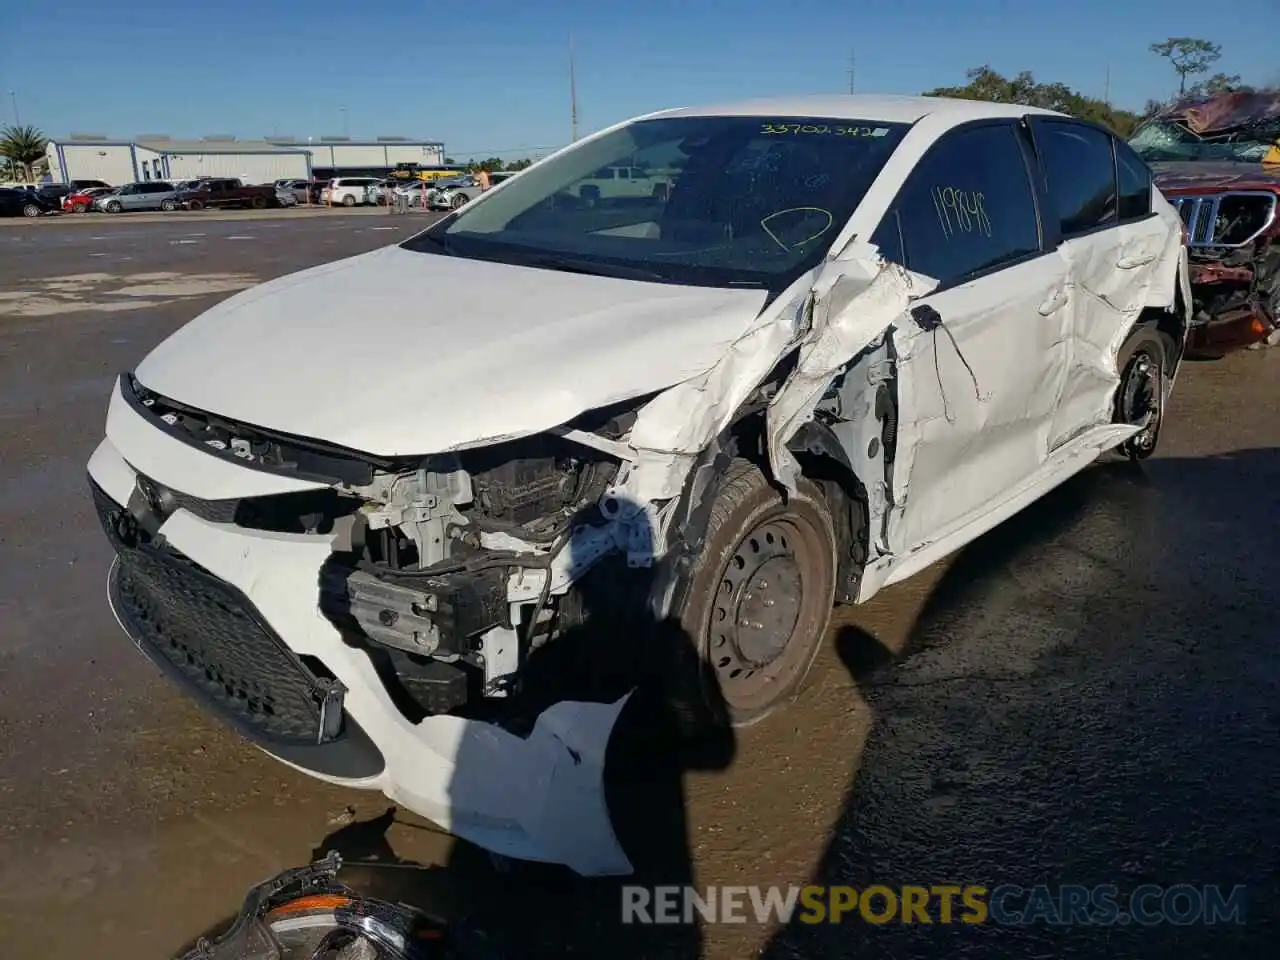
[1134, 181]
[968, 207]
[1081, 172]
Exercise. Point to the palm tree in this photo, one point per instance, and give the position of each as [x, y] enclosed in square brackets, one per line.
[22, 146]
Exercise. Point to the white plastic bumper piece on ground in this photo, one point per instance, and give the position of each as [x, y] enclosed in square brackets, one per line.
[536, 798]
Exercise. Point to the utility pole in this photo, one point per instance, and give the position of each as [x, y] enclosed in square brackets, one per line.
[573, 93]
[853, 63]
[13, 97]
[1106, 91]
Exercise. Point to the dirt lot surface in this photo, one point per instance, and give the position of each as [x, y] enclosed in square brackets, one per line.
[1090, 694]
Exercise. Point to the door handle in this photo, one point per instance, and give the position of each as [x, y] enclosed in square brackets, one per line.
[1056, 301]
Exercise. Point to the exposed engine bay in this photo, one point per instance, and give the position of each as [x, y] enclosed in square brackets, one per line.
[447, 569]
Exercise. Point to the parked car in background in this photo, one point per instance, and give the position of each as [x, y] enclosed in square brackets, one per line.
[303, 190]
[81, 199]
[19, 202]
[1218, 161]
[857, 333]
[285, 197]
[145, 195]
[414, 194]
[226, 192]
[452, 194]
[380, 192]
[348, 191]
[88, 184]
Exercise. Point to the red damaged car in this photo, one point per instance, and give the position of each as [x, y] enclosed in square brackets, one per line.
[79, 201]
[1218, 162]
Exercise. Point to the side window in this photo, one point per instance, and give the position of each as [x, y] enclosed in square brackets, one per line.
[1081, 171]
[1134, 181]
[967, 207]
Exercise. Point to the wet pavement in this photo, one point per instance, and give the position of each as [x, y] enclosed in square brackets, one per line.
[1088, 695]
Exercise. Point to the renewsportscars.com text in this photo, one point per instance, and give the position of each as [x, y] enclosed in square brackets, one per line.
[1004, 905]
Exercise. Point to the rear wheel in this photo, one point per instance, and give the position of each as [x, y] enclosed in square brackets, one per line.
[348, 201]
[1143, 363]
[79, 207]
[761, 592]
[259, 203]
[30, 210]
[195, 204]
[458, 201]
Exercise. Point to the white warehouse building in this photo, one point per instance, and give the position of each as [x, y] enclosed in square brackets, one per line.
[85, 156]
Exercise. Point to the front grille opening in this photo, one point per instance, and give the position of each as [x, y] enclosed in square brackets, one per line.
[1240, 218]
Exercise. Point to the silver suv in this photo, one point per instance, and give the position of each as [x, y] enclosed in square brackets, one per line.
[149, 195]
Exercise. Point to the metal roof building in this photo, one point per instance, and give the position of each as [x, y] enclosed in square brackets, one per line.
[87, 156]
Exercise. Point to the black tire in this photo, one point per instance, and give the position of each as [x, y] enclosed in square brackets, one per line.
[30, 210]
[195, 204]
[258, 203]
[458, 201]
[348, 201]
[761, 592]
[1144, 365]
[168, 206]
[113, 207]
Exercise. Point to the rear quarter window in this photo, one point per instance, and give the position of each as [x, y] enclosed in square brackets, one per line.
[1080, 169]
[1134, 183]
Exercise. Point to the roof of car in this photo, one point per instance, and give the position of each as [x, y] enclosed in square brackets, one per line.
[860, 106]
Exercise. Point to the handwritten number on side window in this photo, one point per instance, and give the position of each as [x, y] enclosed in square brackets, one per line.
[961, 211]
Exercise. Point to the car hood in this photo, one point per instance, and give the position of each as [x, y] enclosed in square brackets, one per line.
[1203, 175]
[402, 353]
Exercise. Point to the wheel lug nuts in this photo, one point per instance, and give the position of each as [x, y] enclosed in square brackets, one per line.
[768, 603]
[762, 585]
[746, 596]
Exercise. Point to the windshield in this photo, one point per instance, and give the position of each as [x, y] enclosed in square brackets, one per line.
[710, 201]
[1168, 141]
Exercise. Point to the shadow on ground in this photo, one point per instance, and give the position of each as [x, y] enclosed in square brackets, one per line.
[1088, 697]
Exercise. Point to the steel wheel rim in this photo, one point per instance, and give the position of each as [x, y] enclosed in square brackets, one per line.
[767, 596]
[1142, 398]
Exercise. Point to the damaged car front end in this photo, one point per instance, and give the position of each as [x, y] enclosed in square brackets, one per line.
[1218, 161]
[797, 376]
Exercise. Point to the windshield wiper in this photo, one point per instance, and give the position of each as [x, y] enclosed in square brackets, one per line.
[591, 267]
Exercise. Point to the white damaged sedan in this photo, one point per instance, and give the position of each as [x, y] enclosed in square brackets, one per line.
[840, 338]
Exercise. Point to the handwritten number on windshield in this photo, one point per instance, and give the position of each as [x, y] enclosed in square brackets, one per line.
[820, 129]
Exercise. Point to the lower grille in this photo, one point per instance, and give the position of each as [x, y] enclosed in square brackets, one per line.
[209, 637]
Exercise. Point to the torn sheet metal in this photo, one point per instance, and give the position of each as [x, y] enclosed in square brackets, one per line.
[829, 313]
[856, 299]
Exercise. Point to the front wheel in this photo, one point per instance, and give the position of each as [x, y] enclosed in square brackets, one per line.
[761, 592]
[348, 201]
[30, 210]
[1140, 397]
[168, 206]
[195, 205]
[113, 207]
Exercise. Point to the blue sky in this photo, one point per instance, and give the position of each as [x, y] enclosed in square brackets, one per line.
[493, 76]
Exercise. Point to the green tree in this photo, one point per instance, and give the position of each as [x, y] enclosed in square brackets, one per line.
[22, 146]
[514, 165]
[1218, 83]
[1188, 56]
[985, 83]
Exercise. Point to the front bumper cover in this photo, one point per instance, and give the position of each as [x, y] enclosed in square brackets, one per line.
[537, 797]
